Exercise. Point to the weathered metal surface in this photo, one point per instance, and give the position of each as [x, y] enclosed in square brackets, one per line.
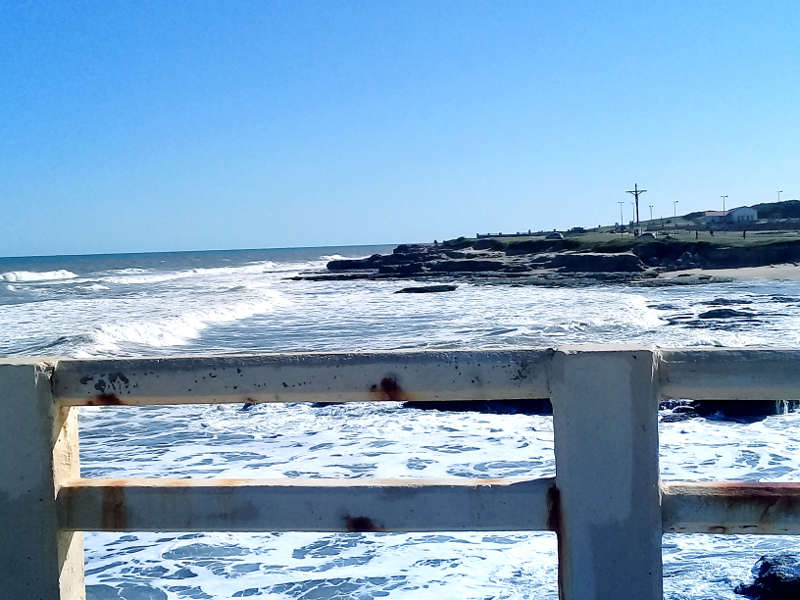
[376, 376]
[605, 423]
[731, 507]
[305, 505]
[730, 374]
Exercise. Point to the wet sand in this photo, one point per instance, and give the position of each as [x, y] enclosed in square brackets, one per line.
[790, 271]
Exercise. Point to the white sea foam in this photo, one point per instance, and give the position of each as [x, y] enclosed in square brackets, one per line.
[137, 276]
[25, 276]
[330, 257]
[178, 329]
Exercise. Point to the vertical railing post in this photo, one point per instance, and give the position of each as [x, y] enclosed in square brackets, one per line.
[40, 450]
[606, 507]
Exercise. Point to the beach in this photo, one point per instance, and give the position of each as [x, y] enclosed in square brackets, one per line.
[779, 272]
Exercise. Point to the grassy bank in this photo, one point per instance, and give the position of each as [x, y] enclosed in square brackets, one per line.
[621, 242]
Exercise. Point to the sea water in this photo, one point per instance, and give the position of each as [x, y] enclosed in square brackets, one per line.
[245, 301]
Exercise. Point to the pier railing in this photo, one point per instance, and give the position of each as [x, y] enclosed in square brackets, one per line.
[606, 503]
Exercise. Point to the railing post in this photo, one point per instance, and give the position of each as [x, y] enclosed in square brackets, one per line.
[606, 509]
[40, 450]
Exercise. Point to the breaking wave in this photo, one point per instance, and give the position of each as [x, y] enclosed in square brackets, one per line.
[177, 330]
[25, 276]
[133, 276]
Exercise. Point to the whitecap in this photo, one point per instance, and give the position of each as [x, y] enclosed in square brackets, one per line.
[135, 276]
[176, 330]
[26, 276]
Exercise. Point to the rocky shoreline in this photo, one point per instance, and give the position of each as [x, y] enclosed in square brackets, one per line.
[556, 262]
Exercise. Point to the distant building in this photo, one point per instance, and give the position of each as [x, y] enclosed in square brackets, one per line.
[714, 217]
[743, 214]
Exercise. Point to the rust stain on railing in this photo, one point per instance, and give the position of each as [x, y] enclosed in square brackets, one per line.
[361, 524]
[554, 524]
[389, 390]
[114, 508]
[105, 400]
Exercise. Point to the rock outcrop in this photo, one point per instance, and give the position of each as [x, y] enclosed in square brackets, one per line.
[596, 262]
[427, 289]
[560, 261]
[775, 577]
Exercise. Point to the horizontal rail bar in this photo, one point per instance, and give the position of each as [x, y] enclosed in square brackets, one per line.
[455, 504]
[731, 507]
[698, 374]
[346, 377]
[730, 374]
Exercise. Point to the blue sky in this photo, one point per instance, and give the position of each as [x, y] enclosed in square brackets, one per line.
[137, 126]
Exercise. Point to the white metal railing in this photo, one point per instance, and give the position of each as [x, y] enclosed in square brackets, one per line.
[606, 503]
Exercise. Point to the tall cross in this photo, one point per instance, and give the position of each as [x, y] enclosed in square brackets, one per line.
[636, 191]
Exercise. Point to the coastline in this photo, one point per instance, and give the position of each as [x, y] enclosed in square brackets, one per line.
[784, 271]
[574, 260]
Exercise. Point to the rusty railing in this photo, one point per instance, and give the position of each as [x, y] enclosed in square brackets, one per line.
[606, 504]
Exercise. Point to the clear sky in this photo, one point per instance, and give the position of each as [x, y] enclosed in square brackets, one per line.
[138, 126]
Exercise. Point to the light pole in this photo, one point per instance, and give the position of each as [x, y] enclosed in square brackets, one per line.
[675, 208]
[651, 211]
[724, 197]
[779, 195]
[620, 202]
[633, 211]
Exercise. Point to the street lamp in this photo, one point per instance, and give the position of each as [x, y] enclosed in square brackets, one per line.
[651, 211]
[779, 195]
[620, 202]
[675, 208]
[724, 197]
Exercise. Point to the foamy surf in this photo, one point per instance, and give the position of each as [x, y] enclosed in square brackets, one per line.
[139, 276]
[33, 276]
[177, 330]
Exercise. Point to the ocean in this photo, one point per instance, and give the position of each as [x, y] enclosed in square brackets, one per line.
[225, 302]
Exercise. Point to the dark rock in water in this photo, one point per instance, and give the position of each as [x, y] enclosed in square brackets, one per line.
[517, 268]
[776, 577]
[427, 289]
[743, 410]
[672, 411]
[472, 265]
[726, 301]
[409, 248]
[496, 407]
[724, 313]
[596, 262]
[372, 262]
[409, 269]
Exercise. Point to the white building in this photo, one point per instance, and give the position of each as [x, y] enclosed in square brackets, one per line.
[743, 214]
